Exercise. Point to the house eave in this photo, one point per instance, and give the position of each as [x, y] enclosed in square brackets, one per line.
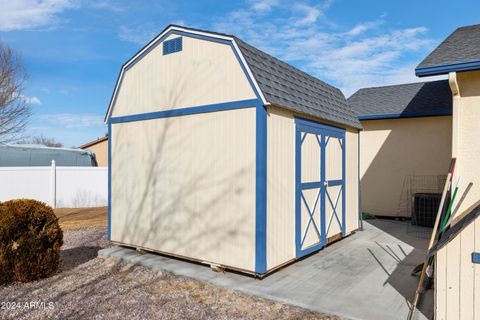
[447, 68]
[404, 115]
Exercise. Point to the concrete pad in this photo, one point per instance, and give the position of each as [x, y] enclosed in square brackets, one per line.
[365, 276]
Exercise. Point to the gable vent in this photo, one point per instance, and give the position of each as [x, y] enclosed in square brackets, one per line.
[171, 46]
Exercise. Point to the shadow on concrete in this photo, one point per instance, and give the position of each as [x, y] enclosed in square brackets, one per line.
[407, 257]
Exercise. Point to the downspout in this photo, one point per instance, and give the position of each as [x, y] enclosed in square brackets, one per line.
[456, 113]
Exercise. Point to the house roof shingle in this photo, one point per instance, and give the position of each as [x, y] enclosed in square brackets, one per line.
[460, 49]
[404, 100]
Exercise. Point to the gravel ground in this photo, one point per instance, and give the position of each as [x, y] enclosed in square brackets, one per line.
[90, 287]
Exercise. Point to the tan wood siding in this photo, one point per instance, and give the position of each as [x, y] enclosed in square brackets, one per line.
[186, 185]
[457, 290]
[203, 73]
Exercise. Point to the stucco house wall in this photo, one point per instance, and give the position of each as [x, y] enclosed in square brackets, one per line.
[394, 149]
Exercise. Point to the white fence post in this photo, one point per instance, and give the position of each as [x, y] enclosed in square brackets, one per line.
[53, 185]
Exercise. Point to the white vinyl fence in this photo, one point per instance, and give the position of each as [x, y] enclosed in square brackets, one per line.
[60, 187]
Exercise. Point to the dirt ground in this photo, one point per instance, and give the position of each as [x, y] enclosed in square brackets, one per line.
[82, 217]
[88, 287]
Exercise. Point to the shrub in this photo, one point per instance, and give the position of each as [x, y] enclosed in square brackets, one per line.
[30, 241]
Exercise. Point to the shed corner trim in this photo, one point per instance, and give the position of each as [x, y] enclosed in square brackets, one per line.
[261, 190]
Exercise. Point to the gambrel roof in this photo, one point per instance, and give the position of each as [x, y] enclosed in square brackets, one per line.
[277, 82]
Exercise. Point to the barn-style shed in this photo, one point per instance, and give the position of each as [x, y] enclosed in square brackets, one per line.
[223, 154]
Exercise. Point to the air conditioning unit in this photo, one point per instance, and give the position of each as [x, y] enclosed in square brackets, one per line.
[425, 207]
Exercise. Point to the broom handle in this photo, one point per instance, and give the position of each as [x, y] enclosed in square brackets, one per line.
[447, 215]
[464, 195]
[437, 218]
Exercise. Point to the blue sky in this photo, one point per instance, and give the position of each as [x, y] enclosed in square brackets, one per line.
[73, 50]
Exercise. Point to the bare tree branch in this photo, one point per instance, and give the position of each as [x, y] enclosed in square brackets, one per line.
[41, 139]
[14, 109]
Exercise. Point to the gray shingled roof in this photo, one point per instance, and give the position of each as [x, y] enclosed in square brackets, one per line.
[404, 100]
[462, 46]
[293, 89]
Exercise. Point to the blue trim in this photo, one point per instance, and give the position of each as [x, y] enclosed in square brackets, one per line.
[360, 223]
[323, 198]
[476, 257]
[251, 103]
[403, 115]
[318, 125]
[172, 46]
[261, 190]
[319, 184]
[303, 126]
[109, 181]
[250, 80]
[188, 34]
[444, 69]
[298, 192]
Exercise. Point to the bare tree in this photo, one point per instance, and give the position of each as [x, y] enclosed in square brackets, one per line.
[14, 109]
[49, 142]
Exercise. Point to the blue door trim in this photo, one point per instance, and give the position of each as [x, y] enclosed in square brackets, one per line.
[324, 189]
[318, 125]
[298, 190]
[325, 132]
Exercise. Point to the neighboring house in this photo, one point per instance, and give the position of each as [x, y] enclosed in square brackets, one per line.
[100, 148]
[407, 133]
[27, 155]
[457, 273]
[223, 154]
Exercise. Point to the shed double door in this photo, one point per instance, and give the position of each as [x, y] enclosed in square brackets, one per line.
[320, 185]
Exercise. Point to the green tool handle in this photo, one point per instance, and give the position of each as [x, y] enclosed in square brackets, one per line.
[447, 215]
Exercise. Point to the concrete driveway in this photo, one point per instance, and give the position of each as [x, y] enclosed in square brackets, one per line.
[365, 276]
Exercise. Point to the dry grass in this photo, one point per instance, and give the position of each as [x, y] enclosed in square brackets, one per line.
[92, 288]
[82, 217]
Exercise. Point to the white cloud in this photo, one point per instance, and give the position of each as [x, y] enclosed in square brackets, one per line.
[114, 6]
[363, 27]
[31, 14]
[32, 100]
[263, 5]
[72, 121]
[309, 14]
[139, 34]
[349, 57]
